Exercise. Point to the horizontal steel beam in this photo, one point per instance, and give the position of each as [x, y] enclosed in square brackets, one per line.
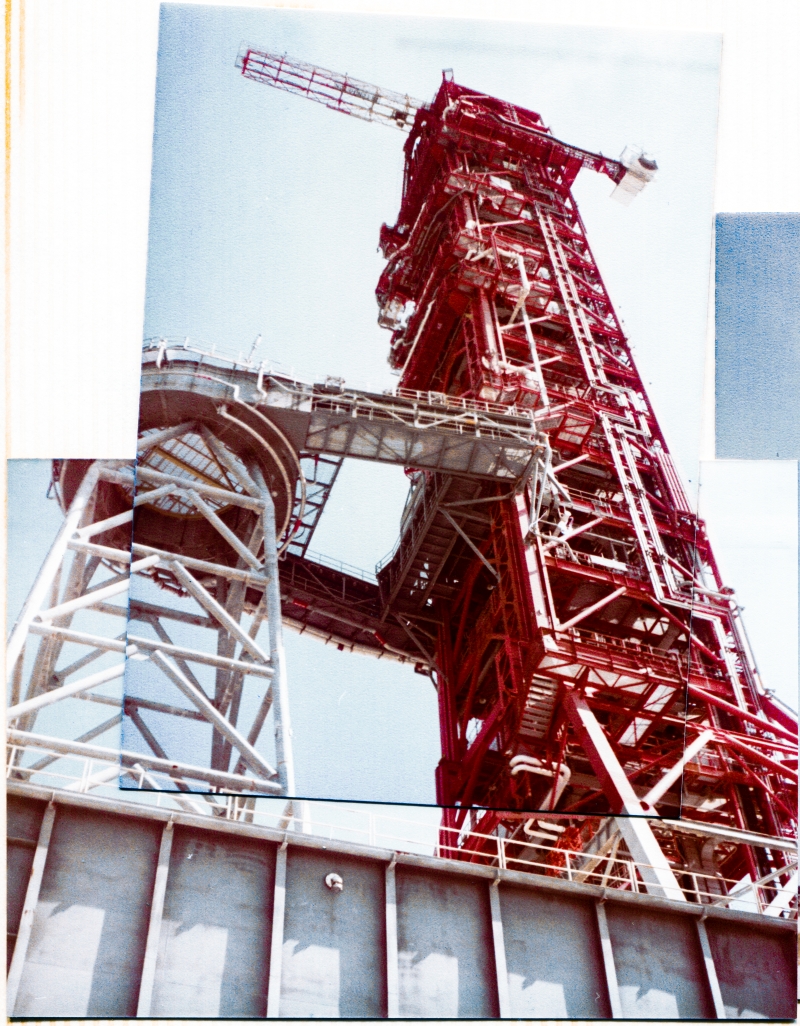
[433, 432]
[217, 778]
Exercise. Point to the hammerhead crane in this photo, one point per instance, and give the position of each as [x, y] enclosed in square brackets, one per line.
[398, 110]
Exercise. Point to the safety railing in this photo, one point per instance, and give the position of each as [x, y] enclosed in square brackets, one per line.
[535, 850]
[342, 568]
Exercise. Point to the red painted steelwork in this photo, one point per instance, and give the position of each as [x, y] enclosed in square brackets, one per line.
[595, 579]
[579, 632]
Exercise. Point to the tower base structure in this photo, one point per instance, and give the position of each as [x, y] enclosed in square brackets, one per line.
[123, 910]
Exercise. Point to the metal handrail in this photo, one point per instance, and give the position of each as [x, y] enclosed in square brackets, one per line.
[538, 852]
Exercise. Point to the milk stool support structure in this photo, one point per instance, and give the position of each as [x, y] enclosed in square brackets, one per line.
[88, 590]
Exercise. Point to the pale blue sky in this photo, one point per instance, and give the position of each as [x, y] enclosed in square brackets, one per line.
[751, 509]
[265, 212]
[758, 336]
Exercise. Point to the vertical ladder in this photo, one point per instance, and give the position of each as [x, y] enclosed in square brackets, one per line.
[578, 318]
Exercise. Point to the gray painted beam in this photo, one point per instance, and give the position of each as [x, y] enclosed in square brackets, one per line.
[608, 961]
[126, 810]
[29, 908]
[276, 944]
[154, 928]
[392, 965]
[711, 970]
[503, 995]
[444, 951]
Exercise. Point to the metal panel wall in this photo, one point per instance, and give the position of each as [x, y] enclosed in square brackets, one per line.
[87, 943]
[334, 942]
[445, 950]
[757, 972]
[213, 951]
[134, 910]
[659, 965]
[553, 956]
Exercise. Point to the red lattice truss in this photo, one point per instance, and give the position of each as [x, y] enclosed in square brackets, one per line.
[594, 586]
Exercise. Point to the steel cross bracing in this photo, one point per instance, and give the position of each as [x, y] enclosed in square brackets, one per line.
[234, 466]
[91, 566]
[587, 655]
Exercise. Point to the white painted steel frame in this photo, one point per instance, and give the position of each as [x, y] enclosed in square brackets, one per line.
[47, 617]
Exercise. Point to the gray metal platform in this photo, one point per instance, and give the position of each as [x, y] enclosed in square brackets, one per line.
[131, 908]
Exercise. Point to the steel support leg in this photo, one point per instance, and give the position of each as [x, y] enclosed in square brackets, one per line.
[276, 944]
[392, 966]
[501, 969]
[277, 655]
[636, 832]
[29, 908]
[44, 579]
[711, 970]
[608, 961]
[154, 929]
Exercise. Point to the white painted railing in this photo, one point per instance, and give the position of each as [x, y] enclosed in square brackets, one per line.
[535, 850]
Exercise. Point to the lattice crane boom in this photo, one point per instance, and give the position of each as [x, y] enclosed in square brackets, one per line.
[369, 102]
[334, 90]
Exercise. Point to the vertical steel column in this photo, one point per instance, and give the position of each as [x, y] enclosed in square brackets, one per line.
[276, 944]
[44, 579]
[711, 969]
[154, 929]
[608, 961]
[392, 967]
[503, 995]
[283, 727]
[29, 908]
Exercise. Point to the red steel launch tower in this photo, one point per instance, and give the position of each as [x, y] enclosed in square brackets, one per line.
[589, 658]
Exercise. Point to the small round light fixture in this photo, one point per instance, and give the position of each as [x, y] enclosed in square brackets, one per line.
[334, 882]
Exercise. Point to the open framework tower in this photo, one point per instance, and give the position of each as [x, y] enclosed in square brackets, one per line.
[604, 731]
[596, 693]
[588, 657]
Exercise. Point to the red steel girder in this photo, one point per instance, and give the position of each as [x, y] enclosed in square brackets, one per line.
[602, 603]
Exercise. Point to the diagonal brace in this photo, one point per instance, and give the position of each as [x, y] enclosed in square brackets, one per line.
[471, 543]
[253, 759]
[210, 604]
[636, 832]
[235, 543]
[605, 601]
[660, 788]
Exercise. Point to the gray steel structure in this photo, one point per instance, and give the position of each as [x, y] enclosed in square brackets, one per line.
[123, 910]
